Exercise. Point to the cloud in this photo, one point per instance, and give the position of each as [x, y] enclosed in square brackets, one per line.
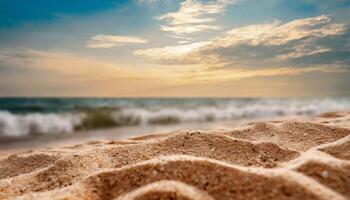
[44, 73]
[193, 17]
[109, 41]
[172, 54]
[57, 62]
[146, 1]
[25, 71]
[302, 50]
[279, 34]
[270, 44]
[195, 75]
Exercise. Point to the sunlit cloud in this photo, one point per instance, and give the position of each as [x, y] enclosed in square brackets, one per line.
[173, 54]
[278, 34]
[85, 69]
[175, 47]
[200, 76]
[270, 44]
[69, 74]
[109, 41]
[63, 63]
[58, 73]
[193, 17]
[183, 30]
[184, 42]
[302, 50]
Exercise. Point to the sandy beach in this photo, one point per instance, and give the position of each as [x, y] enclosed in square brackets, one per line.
[174, 100]
[280, 159]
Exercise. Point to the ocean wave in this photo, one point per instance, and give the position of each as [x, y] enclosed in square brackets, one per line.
[232, 111]
[19, 124]
[12, 125]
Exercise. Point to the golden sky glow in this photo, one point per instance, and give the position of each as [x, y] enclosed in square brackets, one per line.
[178, 48]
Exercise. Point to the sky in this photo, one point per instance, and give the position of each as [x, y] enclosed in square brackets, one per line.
[174, 48]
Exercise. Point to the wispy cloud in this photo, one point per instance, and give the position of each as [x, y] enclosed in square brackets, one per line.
[193, 17]
[58, 62]
[31, 71]
[261, 45]
[172, 54]
[109, 41]
[145, 1]
[278, 34]
[221, 75]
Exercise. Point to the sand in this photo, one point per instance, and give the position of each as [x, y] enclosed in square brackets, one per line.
[290, 159]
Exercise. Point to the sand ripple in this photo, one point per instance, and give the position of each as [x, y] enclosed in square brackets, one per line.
[270, 160]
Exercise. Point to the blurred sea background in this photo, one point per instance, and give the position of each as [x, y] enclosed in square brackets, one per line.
[22, 119]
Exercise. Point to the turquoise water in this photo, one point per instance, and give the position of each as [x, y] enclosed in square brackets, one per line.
[31, 116]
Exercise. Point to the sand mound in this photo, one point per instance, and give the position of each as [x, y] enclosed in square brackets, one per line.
[223, 181]
[336, 177]
[17, 165]
[271, 160]
[166, 190]
[295, 135]
[339, 150]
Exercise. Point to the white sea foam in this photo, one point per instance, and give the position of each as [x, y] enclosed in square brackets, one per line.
[17, 125]
[23, 125]
[232, 111]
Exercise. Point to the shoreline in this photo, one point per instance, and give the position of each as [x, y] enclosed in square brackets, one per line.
[17, 145]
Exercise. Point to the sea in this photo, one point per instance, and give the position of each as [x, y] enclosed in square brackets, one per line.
[28, 117]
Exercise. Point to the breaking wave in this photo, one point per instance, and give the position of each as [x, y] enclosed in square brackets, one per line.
[29, 124]
[156, 112]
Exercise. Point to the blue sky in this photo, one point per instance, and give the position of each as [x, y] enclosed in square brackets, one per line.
[15, 13]
[174, 48]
